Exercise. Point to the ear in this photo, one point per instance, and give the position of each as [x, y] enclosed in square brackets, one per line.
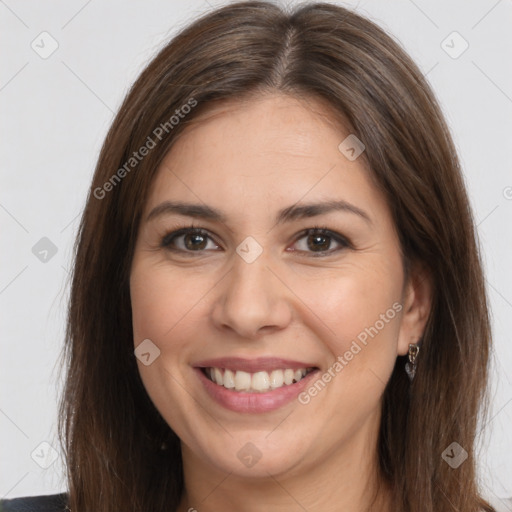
[417, 302]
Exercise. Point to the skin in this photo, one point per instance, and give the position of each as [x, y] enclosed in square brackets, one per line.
[251, 159]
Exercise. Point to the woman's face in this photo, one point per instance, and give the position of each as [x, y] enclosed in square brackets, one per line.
[262, 300]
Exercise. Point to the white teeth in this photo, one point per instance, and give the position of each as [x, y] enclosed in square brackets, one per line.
[217, 376]
[276, 379]
[242, 381]
[229, 379]
[256, 382]
[260, 381]
[288, 376]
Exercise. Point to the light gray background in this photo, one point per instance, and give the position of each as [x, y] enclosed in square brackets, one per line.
[55, 114]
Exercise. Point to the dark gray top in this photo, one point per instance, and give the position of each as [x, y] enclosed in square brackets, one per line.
[46, 503]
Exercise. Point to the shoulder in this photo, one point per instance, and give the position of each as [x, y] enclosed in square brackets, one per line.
[45, 503]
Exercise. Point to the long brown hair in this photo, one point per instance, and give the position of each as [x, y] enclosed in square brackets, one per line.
[112, 434]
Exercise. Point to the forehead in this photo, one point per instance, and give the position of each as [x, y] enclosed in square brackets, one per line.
[271, 123]
[261, 154]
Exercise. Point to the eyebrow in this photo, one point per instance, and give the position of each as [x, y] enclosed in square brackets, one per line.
[288, 214]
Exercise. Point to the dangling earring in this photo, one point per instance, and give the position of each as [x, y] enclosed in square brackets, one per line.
[410, 366]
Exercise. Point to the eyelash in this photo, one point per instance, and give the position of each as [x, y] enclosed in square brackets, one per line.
[169, 238]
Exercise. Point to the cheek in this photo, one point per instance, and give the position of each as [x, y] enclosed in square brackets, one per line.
[358, 309]
[363, 317]
[161, 307]
[162, 299]
[349, 302]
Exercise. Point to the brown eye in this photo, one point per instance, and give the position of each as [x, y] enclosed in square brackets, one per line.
[187, 240]
[320, 241]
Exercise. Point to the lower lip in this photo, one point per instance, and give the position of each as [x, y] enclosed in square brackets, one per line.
[239, 401]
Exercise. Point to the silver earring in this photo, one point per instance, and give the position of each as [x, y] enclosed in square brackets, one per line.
[410, 366]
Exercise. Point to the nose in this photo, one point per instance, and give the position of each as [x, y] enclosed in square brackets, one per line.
[251, 300]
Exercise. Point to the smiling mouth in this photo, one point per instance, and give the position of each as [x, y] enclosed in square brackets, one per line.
[258, 382]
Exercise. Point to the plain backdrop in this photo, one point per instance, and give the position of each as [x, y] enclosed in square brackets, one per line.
[56, 109]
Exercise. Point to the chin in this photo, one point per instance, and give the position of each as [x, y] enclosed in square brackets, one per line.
[253, 455]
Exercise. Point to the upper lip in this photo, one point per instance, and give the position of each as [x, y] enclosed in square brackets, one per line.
[253, 365]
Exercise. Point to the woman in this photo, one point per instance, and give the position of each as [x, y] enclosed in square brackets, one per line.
[277, 300]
